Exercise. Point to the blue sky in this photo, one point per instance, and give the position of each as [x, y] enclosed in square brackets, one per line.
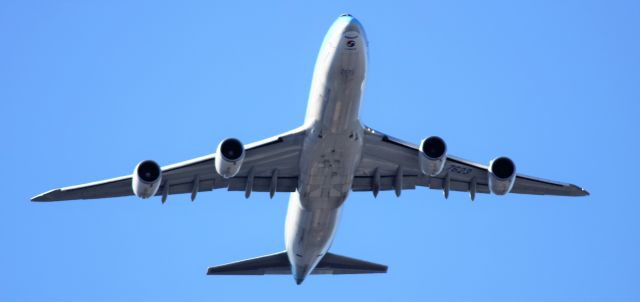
[88, 89]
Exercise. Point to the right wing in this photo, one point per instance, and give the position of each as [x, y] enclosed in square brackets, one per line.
[281, 153]
[385, 154]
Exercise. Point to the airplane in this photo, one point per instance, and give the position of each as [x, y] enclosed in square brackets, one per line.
[319, 164]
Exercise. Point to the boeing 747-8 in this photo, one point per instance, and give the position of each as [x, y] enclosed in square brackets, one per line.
[320, 163]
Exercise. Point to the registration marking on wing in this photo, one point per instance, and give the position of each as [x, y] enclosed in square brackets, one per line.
[459, 169]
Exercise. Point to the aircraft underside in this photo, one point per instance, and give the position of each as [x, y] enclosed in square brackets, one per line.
[320, 164]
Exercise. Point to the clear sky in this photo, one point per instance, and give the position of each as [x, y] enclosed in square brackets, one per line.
[88, 89]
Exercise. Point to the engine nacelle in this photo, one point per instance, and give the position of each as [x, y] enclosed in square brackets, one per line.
[433, 155]
[146, 179]
[229, 157]
[502, 175]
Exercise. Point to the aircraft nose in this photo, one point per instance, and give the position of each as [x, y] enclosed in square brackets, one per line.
[351, 23]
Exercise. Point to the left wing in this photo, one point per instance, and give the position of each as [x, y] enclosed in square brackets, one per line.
[398, 169]
[262, 158]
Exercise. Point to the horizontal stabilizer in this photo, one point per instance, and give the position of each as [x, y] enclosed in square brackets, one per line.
[274, 264]
[340, 265]
[278, 264]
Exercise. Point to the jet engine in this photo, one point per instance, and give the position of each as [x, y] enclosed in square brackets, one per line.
[433, 155]
[229, 157]
[146, 179]
[502, 175]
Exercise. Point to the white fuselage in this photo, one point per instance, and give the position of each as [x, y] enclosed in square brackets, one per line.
[332, 147]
